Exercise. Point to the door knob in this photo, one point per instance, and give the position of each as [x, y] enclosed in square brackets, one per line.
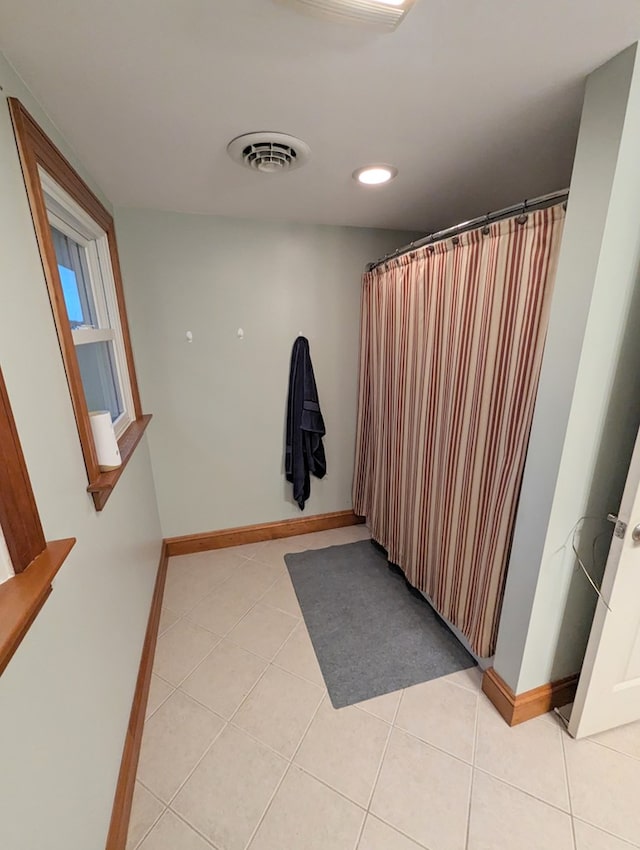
[635, 534]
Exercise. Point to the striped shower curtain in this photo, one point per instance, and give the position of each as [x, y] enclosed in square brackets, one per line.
[452, 337]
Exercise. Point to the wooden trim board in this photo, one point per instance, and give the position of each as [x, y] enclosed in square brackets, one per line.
[190, 543]
[36, 150]
[121, 813]
[22, 596]
[516, 708]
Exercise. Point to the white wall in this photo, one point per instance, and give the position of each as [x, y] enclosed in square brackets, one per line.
[588, 406]
[65, 697]
[219, 402]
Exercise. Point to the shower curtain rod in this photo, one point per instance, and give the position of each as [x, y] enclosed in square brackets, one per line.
[507, 212]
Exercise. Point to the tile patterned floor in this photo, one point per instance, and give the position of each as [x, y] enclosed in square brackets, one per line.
[242, 749]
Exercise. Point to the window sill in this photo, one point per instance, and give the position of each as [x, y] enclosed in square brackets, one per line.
[22, 596]
[103, 486]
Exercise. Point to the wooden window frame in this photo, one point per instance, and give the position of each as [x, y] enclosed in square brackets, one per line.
[35, 562]
[36, 151]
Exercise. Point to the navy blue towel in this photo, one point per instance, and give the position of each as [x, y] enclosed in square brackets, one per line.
[305, 425]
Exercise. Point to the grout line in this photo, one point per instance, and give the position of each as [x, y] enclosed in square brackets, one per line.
[218, 635]
[158, 676]
[192, 771]
[609, 833]
[324, 782]
[253, 651]
[249, 692]
[155, 822]
[322, 687]
[613, 749]
[268, 806]
[160, 704]
[476, 689]
[153, 793]
[194, 828]
[214, 588]
[568, 787]
[522, 790]
[203, 705]
[256, 740]
[400, 832]
[359, 707]
[384, 752]
[476, 727]
[286, 771]
[193, 669]
[438, 749]
[304, 734]
[360, 831]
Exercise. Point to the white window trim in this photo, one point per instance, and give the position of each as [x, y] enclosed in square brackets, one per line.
[66, 215]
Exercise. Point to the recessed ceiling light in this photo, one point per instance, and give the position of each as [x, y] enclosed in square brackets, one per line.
[375, 175]
[379, 14]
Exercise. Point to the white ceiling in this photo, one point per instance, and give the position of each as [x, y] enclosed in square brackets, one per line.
[476, 103]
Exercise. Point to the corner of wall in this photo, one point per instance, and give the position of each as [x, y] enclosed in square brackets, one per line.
[546, 611]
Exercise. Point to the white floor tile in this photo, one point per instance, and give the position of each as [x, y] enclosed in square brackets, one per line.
[170, 833]
[159, 691]
[379, 836]
[175, 737]
[424, 793]
[624, 739]
[167, 619]
[249, 550]
[420, 794]
[259, 575]
[263, 630]
[504, 818]
[470, 678]
[306, 815]
[441, 714]
[357, 532]
[384, 706]
[192, 577]
[282, 595]
[225, 678]
[274, 553]
[590, 838]
[222, 609]
[343, 748]
[180, 649]
[230, 789]
[315, 540]
[298, 656]
[528, 756]
[604, 787]
[278, 710]
[145, 811]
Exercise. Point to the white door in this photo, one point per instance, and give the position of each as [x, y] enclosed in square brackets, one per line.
[609, 689]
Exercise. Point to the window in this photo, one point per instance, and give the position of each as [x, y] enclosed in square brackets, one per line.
[27, 562]
[77, 242]
[88, 288]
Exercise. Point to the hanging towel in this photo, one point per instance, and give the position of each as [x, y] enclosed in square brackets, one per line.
[305, 425]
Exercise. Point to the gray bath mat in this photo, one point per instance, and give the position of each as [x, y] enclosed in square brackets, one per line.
[371, 632]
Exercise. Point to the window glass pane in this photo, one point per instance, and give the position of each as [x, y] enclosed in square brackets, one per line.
[99, 377]
[76, 284]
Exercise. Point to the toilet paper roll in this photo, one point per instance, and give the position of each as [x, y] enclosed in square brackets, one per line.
[104, 438]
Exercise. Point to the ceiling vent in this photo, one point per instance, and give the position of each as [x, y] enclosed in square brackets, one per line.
[383, 15]
[269, 153]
